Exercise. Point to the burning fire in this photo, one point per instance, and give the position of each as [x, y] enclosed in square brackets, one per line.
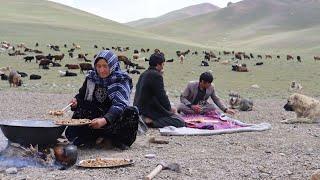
[16, 155]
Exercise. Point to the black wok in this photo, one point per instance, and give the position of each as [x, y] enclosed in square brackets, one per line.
[26, 132]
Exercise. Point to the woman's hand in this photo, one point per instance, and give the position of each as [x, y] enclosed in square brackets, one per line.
[74, 102]
[98, 123]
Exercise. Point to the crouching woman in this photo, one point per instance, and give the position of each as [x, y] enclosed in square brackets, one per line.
[104, 98]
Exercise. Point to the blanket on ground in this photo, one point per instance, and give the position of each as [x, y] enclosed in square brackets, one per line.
[210, 124]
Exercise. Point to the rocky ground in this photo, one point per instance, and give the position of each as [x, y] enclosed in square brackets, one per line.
[284, 152]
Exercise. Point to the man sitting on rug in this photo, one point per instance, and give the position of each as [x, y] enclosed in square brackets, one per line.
[195, 96]
[151, 98]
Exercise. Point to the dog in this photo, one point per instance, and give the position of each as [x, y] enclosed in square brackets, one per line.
[236, 102]
[294, 86]
[306, 108]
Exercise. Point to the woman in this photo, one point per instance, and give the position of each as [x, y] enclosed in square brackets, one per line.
[104, 98]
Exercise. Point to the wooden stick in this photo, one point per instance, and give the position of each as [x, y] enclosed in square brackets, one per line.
[67, 106]
[154, 172]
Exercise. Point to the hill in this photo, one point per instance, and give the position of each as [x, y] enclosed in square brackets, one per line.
[183, 13]
[253, 24]
[45, 21]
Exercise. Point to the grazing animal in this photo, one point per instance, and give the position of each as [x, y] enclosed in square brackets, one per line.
[246, 56]
[294, 86]
[316, 58]
[44, 63]
[58, 57]
[76, 46]
[259, 63]
[289, 57]
[204, 63]
[226, 52]
[14, 79]
[39, 57]
[278, 56]
[299, 59]
[238, 56]
[259, 56]
[85, 67]
[236, 102]
[139, 67]
[71, 50]
[268, 57]
[70, 54]
[239, 67]
[133, 71]
[66, 73]
[22, 74]
[169, 60]
[306, 108]
[35, 77]
[207, 57]
[54, 64]
[126, 61]
[28, 58]
[72, 66]
[4, 77]
[181, 58]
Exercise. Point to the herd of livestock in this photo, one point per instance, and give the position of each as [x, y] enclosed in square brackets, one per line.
[54, 58]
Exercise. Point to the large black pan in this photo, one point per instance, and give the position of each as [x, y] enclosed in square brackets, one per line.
[25, 132]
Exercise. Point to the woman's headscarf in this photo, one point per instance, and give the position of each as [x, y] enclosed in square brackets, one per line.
[116, 75]
[118, 83]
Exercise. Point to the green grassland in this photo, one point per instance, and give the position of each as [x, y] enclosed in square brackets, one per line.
[48, 22]
[273, 77]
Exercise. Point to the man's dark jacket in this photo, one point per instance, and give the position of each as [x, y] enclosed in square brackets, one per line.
[150, 96]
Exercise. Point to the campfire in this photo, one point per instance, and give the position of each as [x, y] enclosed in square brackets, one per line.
[16, 155]
[61, 156]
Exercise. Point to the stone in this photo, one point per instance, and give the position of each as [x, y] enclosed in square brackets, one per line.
[150, 156]
[12, 170]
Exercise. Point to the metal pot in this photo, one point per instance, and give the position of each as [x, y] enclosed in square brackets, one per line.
[35, 132]
[66, 154]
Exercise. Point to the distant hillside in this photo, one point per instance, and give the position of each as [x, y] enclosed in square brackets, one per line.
[183, 13]
[45, 21]
[284, 24]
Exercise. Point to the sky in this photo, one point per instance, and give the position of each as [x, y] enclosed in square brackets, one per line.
[129, 10]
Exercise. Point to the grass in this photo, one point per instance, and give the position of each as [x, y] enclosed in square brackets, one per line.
[56, 24]
[273, 77]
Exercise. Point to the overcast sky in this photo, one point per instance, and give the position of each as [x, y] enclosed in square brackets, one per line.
[130, 10]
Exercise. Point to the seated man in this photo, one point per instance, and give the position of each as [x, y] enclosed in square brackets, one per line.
[195, 96]
[151, 98]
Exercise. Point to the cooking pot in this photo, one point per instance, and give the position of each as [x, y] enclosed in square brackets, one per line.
[66, 154]
[35, 132]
